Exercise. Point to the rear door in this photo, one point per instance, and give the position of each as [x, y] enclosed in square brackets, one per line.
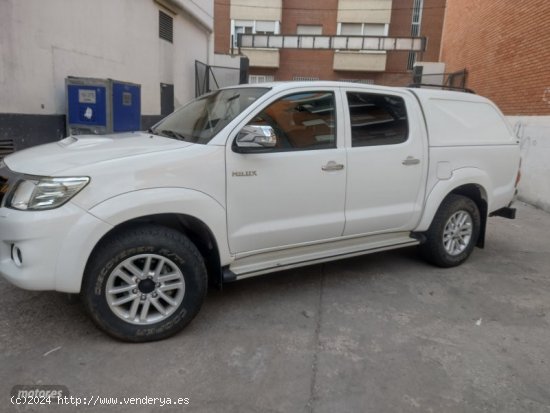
[386, 162]
[293, 193]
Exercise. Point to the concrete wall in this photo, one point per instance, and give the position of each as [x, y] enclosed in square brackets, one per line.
[534, 133]
[43, 42]
[368, 62]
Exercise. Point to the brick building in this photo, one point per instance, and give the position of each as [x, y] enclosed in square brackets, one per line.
[504, 47]
[330, 17]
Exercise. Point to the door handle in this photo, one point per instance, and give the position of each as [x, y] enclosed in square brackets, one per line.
[411, 160]
[332, 166]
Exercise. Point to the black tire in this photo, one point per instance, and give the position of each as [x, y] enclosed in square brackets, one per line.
[174, 250]
[433, 250]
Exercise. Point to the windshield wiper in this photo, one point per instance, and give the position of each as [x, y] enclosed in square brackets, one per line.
[170, 134]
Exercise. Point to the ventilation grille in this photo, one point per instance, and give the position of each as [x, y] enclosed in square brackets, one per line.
[166, 27]
[3, 187]
[305, 78]
[6, 147]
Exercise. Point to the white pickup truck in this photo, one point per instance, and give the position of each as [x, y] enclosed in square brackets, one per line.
[248, 180]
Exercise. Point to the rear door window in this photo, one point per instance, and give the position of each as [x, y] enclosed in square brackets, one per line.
[377, 119]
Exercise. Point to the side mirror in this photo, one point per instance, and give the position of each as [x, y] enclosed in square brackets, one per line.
[254, 138]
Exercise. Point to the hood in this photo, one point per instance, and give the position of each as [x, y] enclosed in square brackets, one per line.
[74, 151]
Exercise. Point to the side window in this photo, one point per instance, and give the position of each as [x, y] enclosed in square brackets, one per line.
[301, 121]
[377, 119]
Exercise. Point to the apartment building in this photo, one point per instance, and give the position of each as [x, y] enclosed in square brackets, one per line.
[330, 17]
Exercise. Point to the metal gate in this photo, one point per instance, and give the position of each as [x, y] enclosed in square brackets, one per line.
[209, 78]
[454, 80]
[457, 79]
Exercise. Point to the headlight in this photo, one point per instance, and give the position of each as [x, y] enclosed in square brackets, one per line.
[45, 193]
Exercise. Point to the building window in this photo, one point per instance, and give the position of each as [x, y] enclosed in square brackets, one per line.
[362, 29]
[252, 27]
[309, 29]
[418, 5]
[253, 79]
[166, 27]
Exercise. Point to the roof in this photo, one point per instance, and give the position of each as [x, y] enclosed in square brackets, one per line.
[424, 93]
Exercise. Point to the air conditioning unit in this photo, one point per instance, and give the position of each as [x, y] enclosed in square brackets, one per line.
[429, 73]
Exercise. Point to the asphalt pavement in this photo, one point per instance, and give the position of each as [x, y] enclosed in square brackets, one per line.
[379, 333]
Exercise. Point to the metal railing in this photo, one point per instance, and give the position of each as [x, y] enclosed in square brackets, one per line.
[367, 43]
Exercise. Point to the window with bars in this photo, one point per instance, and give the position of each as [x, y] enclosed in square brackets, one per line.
[166, 27]
[418, 5]
[305, 78]
[253, 79]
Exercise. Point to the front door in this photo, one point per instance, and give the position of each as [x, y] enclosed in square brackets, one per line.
[293, 193]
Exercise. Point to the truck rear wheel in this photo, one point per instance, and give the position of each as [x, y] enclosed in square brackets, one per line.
[453, 232]
[144, 284]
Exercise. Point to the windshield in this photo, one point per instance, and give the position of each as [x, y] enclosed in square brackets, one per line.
[201, 119]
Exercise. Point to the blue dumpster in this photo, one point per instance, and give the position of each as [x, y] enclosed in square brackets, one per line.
[99, 106]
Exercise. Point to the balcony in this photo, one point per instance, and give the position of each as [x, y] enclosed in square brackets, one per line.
[359, 61]
[268, 58]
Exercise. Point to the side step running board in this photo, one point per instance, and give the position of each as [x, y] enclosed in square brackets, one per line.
[228, 275]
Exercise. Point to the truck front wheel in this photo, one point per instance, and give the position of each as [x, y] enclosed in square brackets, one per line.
[453, 232]
[144, 284]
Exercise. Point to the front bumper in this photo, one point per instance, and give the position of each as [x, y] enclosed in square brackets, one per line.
[53, 245]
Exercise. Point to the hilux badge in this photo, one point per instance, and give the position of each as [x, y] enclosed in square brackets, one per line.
[244, 173]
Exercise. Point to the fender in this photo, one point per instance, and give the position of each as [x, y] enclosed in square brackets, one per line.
[459, 177]
[131, 205]
[82, 237]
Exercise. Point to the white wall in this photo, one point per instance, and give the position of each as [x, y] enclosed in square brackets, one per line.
[190, 44]
[42, 42]
[227, 60]
[534, 133]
